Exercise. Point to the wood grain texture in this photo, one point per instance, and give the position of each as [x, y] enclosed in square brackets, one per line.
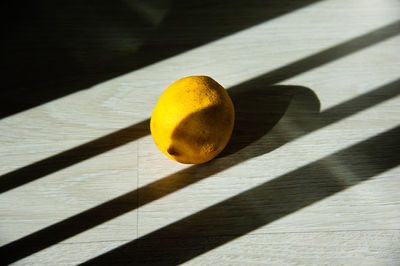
[343, 247]
[311, 175]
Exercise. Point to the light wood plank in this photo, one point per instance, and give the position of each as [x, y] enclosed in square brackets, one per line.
[82, 178]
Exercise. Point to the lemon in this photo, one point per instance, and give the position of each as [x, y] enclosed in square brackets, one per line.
[193, 120]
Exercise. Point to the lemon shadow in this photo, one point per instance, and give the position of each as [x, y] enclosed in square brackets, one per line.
[258, 109]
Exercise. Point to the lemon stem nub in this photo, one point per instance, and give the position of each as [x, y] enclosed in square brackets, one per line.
[172, 151]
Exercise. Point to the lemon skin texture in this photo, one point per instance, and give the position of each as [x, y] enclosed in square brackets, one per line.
[193, 120]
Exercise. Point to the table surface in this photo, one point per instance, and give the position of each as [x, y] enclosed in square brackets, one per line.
[311, 175]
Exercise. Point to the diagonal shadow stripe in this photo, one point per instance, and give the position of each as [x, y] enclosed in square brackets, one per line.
[167, 185]
[73, 156]
[70, 157]
[125, 203]
[225, 221]
[331, 54]
[87, 43]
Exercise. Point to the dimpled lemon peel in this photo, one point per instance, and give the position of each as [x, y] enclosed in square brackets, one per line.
[193, 120]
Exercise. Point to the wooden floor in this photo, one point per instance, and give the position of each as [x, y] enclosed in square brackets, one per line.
[311, 175]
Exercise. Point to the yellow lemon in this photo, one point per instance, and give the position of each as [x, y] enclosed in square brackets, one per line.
[193, 120]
